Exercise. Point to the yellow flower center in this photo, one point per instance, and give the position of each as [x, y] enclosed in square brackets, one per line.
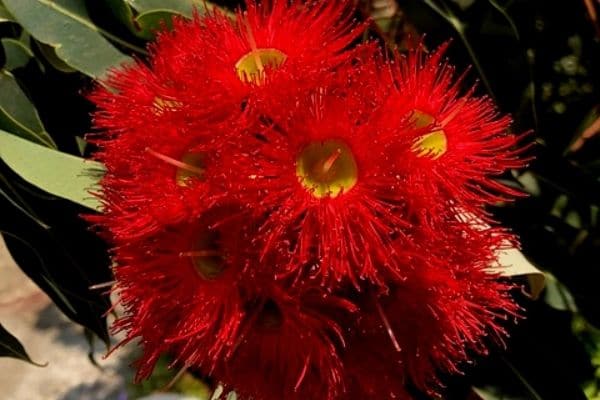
[433, 144]
[251, 67]
[327, 168]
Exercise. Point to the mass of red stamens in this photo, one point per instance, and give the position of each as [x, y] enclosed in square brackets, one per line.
[297, 217]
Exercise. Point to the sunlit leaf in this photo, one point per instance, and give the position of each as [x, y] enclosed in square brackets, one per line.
[58, 173]
[66, 26]
[515, 264]
[181, 7]
[5, 15]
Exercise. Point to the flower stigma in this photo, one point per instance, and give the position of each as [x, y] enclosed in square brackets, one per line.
[327, 168]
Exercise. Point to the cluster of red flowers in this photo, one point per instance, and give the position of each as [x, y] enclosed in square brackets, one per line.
[298, 216]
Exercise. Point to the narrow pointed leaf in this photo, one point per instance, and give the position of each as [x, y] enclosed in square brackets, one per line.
[11, 347]
[58, 173]
[17, 53]
[49, 54]
[144, 17]
[66, 26]
[181, 7]
[18, 115]
[5, 15]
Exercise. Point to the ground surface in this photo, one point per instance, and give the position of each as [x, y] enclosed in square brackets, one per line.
[49, 337]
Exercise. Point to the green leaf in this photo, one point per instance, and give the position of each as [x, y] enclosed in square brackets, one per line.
[149, 22]
[181, 7]
[459, 26]
[17, 53]
[484, 394]
[66, 26]
[11, 347]
[492, 393]
[58, 173]
[18, 114]
[557, 295]
[123, 12]
[5, 15]
[144, 17]
[61, 256]
[49, 54]
[506, 16]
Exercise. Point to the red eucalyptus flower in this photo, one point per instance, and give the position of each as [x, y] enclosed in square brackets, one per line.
[450, 308]
[287, 212]
[464, 143]
[207, 76]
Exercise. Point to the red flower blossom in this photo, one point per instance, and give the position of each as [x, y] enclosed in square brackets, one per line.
[464, 143]
[280, 214]
[343, 192]
[181, 287]
[205, 77]
[290, 348]
[193, 291]
[451, 307]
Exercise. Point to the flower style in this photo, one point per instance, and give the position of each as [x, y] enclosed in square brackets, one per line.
[284, 209]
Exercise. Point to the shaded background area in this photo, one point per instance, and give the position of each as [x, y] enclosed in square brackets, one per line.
[51, 338]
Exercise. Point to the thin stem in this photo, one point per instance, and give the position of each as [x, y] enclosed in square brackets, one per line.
[449, 16]
[522, 379]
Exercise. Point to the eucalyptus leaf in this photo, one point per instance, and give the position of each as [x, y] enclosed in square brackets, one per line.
[49, 54]
[18, 115]
[123, 12]
[17, 53]
[11, 347]
[64, 259]
[490, 393]
[5, 15]
[58, 173]
[557, 295]
[149, 22]
[66, 26]
[460, 27]
[145, 17]
[143, 24]
[181, 7]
